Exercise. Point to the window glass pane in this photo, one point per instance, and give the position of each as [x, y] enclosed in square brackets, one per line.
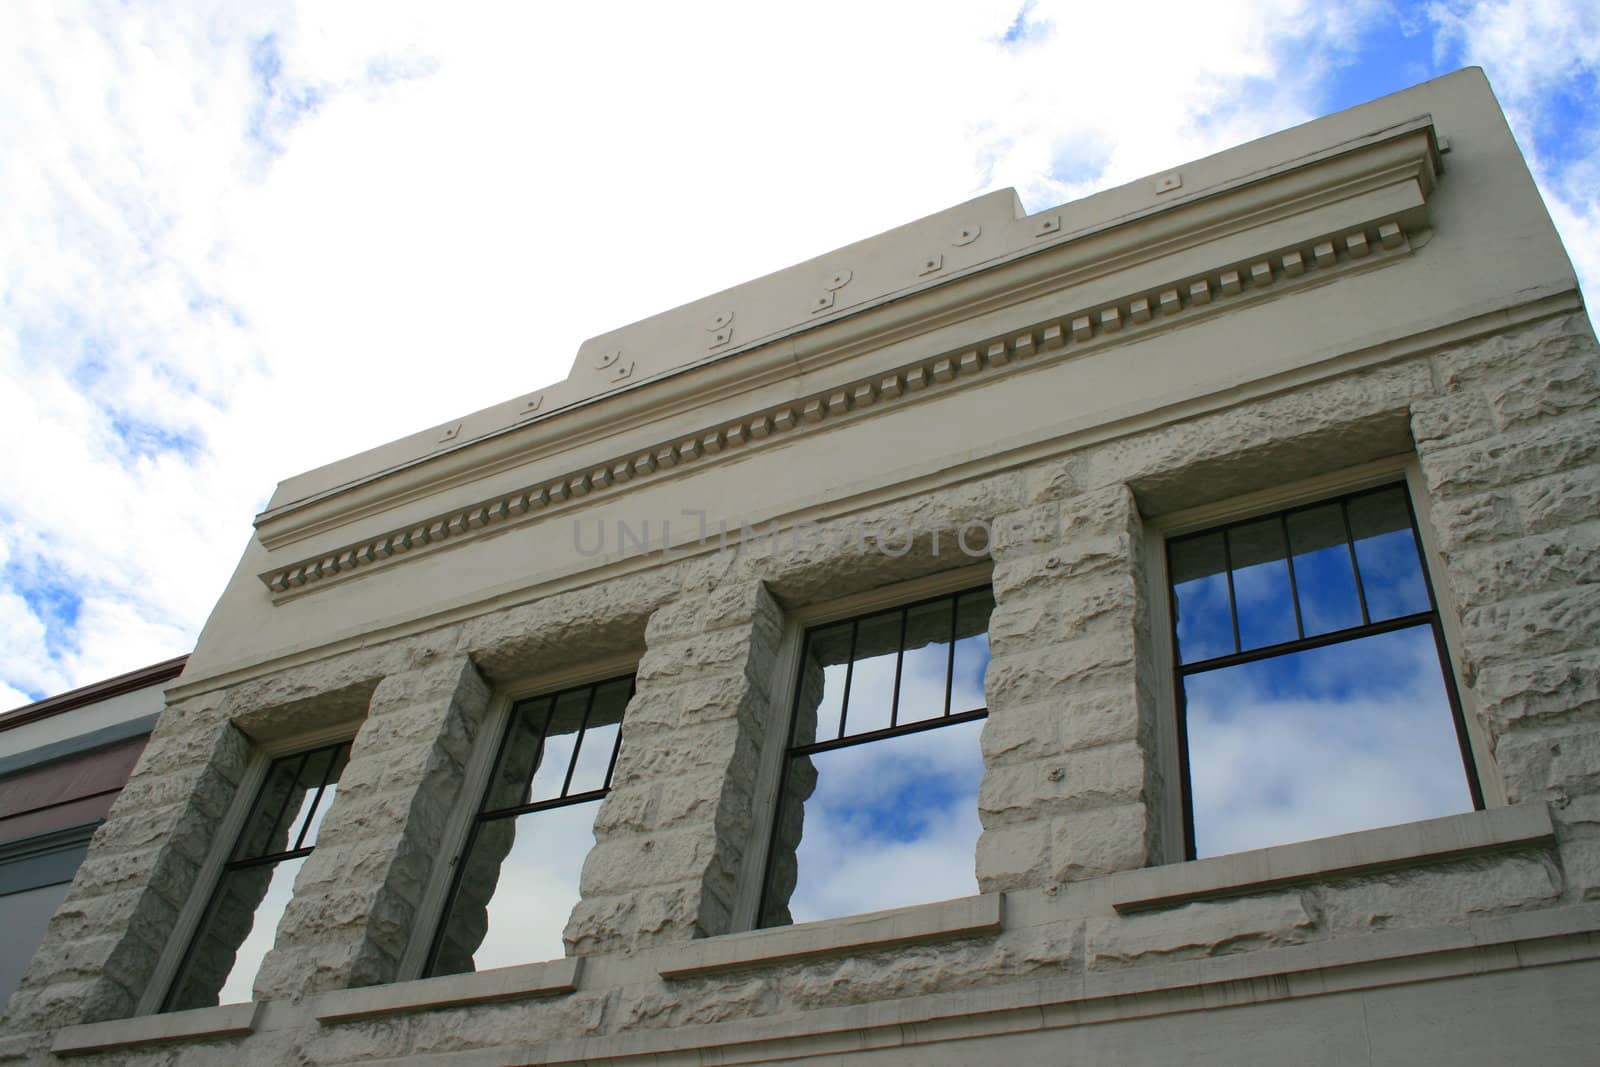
[288, 803]
[1386, 549]
[267, 829]
[822, 683]
[600, 738]
[518, 886]
[1326, 741]
[239, 929]
[560, 737]
[972, 651]
[888, 823]
[311, 824]
[1200, 591]
[926, 664]
[1261, 592]
[872, 676]
[1322, 570]
[524, 734]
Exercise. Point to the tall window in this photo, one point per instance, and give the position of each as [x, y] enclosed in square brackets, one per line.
[1315, 695]
[878, 805]
[518, 877]
[241, 919]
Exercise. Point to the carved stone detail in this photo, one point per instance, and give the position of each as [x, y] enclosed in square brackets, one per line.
[1061, 336]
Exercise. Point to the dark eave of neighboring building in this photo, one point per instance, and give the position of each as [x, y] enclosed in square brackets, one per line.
[142, 678]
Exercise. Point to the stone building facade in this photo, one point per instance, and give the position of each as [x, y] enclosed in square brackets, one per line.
[1042, 406]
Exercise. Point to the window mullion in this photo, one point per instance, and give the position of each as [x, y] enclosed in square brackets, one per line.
[316, 801]
[1233, 605]
[1294, 588]
[1355, 564]
[899, 664]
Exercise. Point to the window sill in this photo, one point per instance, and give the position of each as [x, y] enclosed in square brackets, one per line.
[946, 920]
[227, 1020]
[1429, 841]
[452, 990]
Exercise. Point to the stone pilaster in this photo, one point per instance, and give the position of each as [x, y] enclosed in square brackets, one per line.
[670, 837]
[101, 948]
[355, 900]
[1069, 764]
[1510, 448]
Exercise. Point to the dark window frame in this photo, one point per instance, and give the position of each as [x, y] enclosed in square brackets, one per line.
[844, 739]
[1367, 628]
[483, 814]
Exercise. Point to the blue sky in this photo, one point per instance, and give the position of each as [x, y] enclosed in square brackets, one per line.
[242, 241]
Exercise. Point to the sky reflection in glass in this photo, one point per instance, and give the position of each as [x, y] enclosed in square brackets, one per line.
[892, 820]
[1304, 715]
[872, 676]
[241, 920]
[1200, 591]
[239, 987]
[1288, 576]
[1323, 570]
[1261, 589]
[1386, 551]
[1324, 741]
[518, 878]
[891, 823]
[538, 886]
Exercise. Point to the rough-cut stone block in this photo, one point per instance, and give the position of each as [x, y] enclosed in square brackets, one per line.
[1054, 674]
[1201, 929]
[1458, 418]
[1014, 856]
[1566, 620]
[1509, 458]
[1549, 763]
[1557, 689]
[1541, 392]
[1509, 356]
[1475, 520]
[1439, 896]
[1046, 570]
[1095, 842]
[1108, 775]
[1561, 500]
[1562, 559]
[1580, 866]
[1082, 607]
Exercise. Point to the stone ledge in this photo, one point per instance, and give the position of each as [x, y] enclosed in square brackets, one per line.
[228, 1020]
[451, 991]
[947, 920]
[1377, 961]
[1263, 869]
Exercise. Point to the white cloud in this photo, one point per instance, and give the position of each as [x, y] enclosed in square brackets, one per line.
[244, 241]
[1543, 59]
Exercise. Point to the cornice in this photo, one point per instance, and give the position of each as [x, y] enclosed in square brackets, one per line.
[1179, 301]
[1193, 231]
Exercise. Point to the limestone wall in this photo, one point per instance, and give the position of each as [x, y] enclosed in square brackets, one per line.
[1076, 792]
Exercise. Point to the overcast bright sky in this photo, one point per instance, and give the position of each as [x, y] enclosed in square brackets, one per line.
[239, 241]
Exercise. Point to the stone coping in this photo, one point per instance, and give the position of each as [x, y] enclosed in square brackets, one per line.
[227, 1020]
[1428, 841]
[550, 978]
[946, 920]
